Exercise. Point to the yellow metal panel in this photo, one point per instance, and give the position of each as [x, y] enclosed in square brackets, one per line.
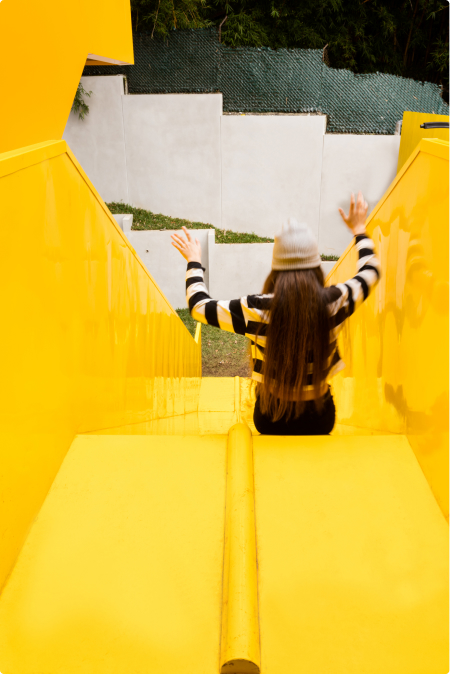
[122, 571]
[44, 47]
[88, 340]
[352, 558]
[194, 423]
[217, 394]
[396, 344]
[198, 333]
[412, 134]
[220, 394]
[240, 649]
[218, 410]
[24, 157]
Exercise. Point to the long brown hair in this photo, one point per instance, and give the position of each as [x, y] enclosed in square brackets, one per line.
[298, 335]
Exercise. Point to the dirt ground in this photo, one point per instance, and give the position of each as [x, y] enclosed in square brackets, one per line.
[224, 354]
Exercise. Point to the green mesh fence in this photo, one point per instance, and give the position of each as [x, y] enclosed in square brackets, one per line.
[265, 80]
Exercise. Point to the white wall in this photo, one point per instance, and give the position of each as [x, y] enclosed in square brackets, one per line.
[271, 170]
[232, 270]
[237, 269]
[164, 262]
[173, 154]
[98, 140]
[351, 163]
[178, 155]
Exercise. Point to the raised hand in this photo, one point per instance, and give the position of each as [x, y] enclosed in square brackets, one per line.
[189, 247]
[356, 218]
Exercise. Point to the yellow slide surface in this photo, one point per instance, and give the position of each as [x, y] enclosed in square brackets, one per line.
[122, 571]
[352, 558]
[124, 566]
[145, 526]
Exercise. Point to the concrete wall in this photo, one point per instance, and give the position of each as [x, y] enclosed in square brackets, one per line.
[165, 263]
[351, 163]
[177, 154]
[232, 270]
[98, 141]
[271, 170]
[237, 269]
[173, 154]
[125, 221]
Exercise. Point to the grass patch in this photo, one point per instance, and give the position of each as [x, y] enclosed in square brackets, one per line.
[144, 220]
[224, 354]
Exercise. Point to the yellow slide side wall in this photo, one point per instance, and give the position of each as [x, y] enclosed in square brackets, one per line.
[412, 134]
[44, 46]
[396, 345]
[88, 341]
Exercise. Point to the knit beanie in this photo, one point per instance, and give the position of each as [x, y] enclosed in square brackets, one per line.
[295, 248]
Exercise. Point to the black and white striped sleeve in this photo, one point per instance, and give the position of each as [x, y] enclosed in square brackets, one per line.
[357, 289]
[224, 314]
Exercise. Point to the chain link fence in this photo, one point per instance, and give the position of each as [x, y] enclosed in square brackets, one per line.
[263, 80]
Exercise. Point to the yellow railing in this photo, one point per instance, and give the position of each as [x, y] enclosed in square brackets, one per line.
[88, 340]
[412, 133]
[396, 345]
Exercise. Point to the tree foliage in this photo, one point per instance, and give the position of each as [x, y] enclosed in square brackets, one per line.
[407, 37]
[79, 105]
[162, 16]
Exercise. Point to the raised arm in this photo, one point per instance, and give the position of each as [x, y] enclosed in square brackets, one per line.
[237, 315]
[352, 293]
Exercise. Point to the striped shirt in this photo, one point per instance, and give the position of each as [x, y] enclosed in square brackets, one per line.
[250, 315]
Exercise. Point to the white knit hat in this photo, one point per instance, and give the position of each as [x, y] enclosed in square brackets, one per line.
[295, 248]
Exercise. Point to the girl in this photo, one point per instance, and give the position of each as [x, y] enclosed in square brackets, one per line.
[293, 325]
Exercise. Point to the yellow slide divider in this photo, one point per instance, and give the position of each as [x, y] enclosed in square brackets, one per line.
[240, 646]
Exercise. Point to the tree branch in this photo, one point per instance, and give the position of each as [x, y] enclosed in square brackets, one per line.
[156, 18]
[405, 56]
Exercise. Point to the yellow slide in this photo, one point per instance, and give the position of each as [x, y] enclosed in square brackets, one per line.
[145, 527]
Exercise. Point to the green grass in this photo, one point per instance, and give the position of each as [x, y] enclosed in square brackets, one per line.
[144, 220]
[224, 354]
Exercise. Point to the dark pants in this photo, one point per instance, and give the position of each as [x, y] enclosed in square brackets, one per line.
[310, 422]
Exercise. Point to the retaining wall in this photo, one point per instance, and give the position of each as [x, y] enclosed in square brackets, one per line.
[232, 270]
[177, 154]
